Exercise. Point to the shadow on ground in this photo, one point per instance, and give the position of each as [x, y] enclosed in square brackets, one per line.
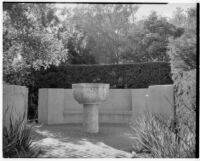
[70, 141]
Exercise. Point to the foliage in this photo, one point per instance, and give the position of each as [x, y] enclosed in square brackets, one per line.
[149, 41]
[30, 36]
[183, 65]
[155, 135]
[17, 140]
[118, 76]
[78, 49]
[179, 18]
[38, 35]
[108, 26]
[185, 89]
[162, 137]
[183, 50]
[118, 38]
[185, 101]
[157, 39]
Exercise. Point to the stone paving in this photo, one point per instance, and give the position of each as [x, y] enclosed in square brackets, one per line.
[70, 141]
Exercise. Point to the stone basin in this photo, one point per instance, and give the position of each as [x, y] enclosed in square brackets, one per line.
[91, 95]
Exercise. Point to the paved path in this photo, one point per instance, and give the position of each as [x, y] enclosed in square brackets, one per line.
[70, 141]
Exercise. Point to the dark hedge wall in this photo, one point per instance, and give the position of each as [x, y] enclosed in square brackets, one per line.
[139, 75]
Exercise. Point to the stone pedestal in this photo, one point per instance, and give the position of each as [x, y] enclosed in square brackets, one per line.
[90, 95]
[91, 118]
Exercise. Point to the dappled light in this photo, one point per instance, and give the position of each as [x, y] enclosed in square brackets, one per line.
[65, 144]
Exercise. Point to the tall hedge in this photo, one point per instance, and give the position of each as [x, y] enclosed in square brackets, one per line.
[139, 75]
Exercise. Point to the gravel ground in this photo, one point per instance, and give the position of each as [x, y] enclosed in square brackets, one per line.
[70, 141]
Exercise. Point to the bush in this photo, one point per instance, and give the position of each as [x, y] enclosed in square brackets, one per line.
[17, 140]
[185, 96]
[185, 102]
[155, 135]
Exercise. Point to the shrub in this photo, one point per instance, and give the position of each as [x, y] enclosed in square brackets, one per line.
[156, 136]
[185, 97]
[185, 102]
[17, 140]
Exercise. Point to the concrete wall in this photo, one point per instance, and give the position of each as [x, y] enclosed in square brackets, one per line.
[15, 103]
[118, 99]
[58, 106]
[139, 100]
[43, 106]
[160, 100]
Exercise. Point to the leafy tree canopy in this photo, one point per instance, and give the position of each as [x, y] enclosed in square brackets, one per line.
[38, 34]
[183, 50]
[30, 36]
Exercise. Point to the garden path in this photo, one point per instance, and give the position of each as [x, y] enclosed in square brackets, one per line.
[70, 141]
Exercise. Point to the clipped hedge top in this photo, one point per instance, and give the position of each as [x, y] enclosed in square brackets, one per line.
[138, 75]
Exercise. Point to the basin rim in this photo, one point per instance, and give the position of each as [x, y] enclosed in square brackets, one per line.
[91, 85]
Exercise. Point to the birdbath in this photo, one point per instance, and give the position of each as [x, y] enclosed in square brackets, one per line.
[91, 95]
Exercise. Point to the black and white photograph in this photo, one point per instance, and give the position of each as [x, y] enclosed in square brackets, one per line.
[100, 79]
